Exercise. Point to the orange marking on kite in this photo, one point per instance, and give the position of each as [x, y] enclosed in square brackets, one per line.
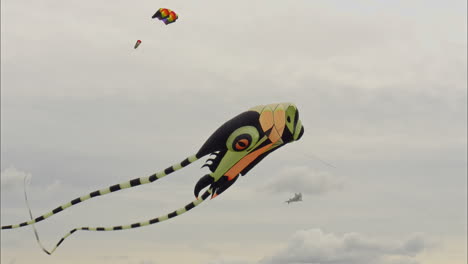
[266, 120]
[245, 161]
[280, 121]
[274, 135]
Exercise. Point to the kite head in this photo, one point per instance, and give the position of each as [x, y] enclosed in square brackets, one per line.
[245, 140]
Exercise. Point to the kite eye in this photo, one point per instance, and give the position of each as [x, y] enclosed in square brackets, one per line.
[242, 139]
[242, 142]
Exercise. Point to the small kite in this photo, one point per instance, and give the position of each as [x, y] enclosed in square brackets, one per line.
[237, 146]
[137, 44]
[166, 15]
[297, 198]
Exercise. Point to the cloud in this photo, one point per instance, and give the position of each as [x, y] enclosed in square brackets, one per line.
[147, 262]
[12, 178]
[229, 260]
[303, 179]
[313, 246]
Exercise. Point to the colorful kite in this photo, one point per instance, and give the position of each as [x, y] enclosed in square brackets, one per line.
[166, 15]
[137, 44]
[237, 146]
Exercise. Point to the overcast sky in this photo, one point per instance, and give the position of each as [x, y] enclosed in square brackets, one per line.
[381, 87]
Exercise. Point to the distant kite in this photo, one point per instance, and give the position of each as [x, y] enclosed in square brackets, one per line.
[166, 15]
[137, 44]
[297, 198]
[238, 145]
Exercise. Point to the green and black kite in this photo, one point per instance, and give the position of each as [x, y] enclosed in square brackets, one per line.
[237, 146]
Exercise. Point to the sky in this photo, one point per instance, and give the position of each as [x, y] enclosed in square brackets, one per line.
[381, 87]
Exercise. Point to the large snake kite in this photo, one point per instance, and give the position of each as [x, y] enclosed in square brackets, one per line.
[238, 145]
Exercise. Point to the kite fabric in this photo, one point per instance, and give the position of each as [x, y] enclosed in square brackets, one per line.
[166, 15]
[237, 146]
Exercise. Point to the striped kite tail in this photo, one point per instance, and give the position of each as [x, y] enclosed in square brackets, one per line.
[177, 212]
[113, 188]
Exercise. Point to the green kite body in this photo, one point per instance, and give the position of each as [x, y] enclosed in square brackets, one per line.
[238, 145]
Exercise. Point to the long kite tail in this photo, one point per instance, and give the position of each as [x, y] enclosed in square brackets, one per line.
[30, 212]
[113, 188]
[177, 212]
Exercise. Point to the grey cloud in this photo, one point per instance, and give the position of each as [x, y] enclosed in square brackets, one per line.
[146, 262]
[313, 246]
[114, 257]
[229, 260]
[303, 179]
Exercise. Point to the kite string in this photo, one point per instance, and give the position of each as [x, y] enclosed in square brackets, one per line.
[315, 157]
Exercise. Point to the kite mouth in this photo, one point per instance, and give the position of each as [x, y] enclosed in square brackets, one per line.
[228, 178]
[216, 187]
[204, 182]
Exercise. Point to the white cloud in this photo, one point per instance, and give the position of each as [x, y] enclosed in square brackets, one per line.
[12, 178]
[313, 246]
[303, 179]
